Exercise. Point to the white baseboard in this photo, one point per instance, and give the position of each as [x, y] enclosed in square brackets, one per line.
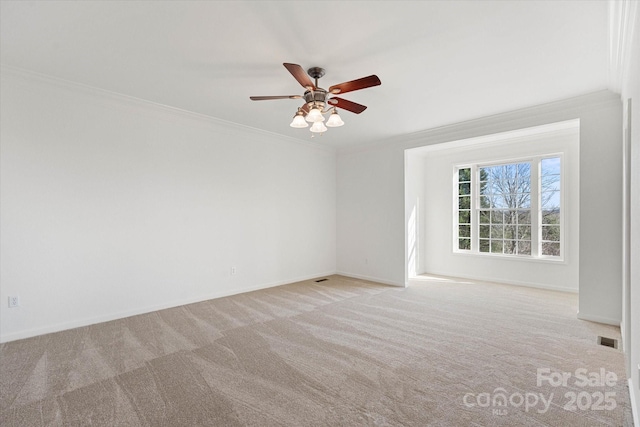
[13, 336]
[599, 319]
[371, 279]
[634, 405]
[506, 282]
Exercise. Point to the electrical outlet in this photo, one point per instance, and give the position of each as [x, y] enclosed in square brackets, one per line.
[14, 301]
[233, 271]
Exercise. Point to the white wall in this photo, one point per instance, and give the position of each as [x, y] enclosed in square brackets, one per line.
[438, 164]
[601, 239]
[631, 325]
[415, 186]
[112, 206]
[370, 212]
[372, 215]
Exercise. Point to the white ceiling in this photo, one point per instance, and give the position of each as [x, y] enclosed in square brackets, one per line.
[440, 62]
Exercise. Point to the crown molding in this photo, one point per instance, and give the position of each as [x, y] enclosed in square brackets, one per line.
[542, 114]
[562, 129]
[623, 18]
[119, 98]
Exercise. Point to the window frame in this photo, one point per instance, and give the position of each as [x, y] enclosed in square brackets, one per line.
[535, 208]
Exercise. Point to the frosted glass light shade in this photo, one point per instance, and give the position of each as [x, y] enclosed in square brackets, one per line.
[334, 120]
[315, 116]
[318, 127]
[298, 122]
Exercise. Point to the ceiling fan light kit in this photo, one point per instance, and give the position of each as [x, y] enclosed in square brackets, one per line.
[334, 120]
[317, 99]
[318, 127]
[299, 121]
[315, 115]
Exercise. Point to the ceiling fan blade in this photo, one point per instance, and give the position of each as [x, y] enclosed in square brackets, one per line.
[300, 75]
[305, 108]
[265, 98]
[358, 84]
[347, 105]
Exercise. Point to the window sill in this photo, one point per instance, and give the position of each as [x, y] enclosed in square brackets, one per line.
[555, 260]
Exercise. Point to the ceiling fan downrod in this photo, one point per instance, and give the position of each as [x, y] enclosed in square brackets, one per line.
[316, 73]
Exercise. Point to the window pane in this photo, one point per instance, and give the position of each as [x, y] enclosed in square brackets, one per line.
[550, 216]
[485, 202]
[484, 217]
[501, 201]
[550, 183]
[524, 217]
[464, 244]
[550, 199]
[464, 175]
[523, 180]
[551, 233]
[511, 200]
[496, 246]
[509, 246]
[464, 202]
[550, 166]
[464, 188]
[510, 232]
[464, 217]
[485, 174]
[524, 247]
[523, 200]
[497, 231]
[496, 217]
[552, 249]
[510, 217]
[464, 231]
[484, 188]
[485, 231]
[484, 245]
[524, 232]
[494, 187]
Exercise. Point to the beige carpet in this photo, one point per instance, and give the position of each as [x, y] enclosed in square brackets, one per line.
[343, 352]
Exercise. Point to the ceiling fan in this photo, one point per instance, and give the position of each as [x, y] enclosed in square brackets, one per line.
[317, 99]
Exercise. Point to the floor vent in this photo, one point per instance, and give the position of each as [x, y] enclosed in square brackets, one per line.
[608, 342]
[321, 280]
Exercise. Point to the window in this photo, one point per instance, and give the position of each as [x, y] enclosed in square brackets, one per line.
[510, 208]
[464, 209]
[550, 206]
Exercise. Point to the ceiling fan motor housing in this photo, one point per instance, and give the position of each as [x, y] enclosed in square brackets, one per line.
[318, 96]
